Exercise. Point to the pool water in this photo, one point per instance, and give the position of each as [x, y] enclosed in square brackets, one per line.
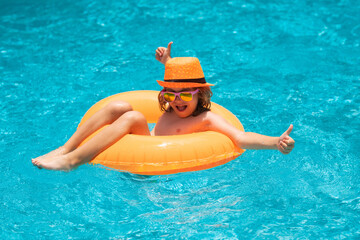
[273, 62]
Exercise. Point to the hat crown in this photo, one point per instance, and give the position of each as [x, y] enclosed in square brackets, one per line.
[183, 68]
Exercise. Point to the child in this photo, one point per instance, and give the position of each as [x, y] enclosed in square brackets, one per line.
[185, 101]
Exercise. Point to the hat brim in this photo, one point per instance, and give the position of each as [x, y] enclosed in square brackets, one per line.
[183, 84]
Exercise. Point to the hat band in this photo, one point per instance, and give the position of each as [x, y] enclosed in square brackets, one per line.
[193, 80]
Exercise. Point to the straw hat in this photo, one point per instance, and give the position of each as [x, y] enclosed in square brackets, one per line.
[183, 72]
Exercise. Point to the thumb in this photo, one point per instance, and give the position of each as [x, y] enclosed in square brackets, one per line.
[169, 48]
[287, 132]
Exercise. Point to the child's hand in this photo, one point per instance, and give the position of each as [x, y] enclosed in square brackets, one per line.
[163, 54]
[286, 143]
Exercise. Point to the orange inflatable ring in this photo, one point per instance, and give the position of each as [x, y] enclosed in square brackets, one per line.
[159, 155]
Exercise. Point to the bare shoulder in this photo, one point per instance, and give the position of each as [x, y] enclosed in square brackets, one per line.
[208, 120]
[211, 117]
[217, 123]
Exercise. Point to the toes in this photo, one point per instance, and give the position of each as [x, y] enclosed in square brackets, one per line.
[36, 164]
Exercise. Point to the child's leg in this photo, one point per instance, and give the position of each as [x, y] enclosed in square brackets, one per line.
[130, 122]
[105, 116]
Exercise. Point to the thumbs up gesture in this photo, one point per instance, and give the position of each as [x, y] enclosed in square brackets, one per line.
[162, 54]
[286, 143]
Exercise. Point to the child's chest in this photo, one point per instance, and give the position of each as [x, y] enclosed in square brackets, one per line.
[175, 126]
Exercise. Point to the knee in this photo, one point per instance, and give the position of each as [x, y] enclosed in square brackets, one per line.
[117, 108]
[135, 117]
[134, 122]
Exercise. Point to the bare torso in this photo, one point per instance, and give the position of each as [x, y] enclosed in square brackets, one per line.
[170, 124]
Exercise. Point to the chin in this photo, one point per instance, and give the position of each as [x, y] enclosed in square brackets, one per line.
[183, 115]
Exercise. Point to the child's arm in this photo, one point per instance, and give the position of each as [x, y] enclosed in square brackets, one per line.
[249, 140]
[162, 54]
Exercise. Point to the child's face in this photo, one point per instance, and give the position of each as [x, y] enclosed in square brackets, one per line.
[183, 108]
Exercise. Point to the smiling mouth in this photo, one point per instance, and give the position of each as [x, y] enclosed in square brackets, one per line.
[181, 108]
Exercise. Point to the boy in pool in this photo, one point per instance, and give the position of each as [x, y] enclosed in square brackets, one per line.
[185, 100]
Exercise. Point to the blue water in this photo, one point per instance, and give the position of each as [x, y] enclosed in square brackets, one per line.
[273, 62]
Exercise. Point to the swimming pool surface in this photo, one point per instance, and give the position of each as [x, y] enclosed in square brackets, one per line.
[273, 62]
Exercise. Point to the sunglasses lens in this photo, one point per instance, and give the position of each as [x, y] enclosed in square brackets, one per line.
[185, 96]
[169, 97]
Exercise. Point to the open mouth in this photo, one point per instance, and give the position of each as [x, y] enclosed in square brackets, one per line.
[181, 108]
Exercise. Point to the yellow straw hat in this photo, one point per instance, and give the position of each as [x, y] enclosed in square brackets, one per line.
[183, 72]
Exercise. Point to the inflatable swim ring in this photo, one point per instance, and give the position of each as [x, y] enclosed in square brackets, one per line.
[160, 155]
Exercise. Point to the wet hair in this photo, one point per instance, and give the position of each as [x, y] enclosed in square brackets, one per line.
[204, 103]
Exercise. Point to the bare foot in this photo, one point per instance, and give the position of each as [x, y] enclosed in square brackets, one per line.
[57, 152]
[62, 162]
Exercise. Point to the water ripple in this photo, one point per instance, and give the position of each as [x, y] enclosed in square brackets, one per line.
[273, 63]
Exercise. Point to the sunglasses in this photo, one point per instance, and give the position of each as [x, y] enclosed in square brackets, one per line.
[185, 96]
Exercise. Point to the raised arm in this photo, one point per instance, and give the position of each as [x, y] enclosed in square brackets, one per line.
[250, 140]
[162, 54]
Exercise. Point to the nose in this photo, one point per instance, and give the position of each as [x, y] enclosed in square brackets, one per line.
[177, 99]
